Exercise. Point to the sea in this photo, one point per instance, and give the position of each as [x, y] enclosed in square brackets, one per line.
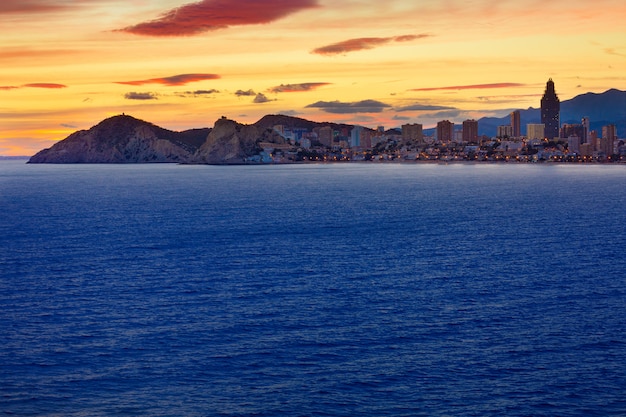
[348, 289]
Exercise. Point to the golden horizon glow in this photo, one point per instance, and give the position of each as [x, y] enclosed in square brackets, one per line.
[67, 66]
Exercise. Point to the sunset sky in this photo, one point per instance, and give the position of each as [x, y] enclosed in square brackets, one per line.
[68, 64]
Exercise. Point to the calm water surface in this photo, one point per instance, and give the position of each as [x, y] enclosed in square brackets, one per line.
[313, 290]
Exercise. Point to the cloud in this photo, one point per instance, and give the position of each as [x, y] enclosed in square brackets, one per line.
[471, 87]
[396, 117]
[174, 80]
[261, 98]
[45, 85]
[198, 93]
[337, 107]
[69, 126]
[242, 93]
[34, 85]
[207, 15]
[289, 112]
[296, 88]
[612, 51]
[423, 107]
[359, 44]
[448, 114]
[140, 96]
[30, 6]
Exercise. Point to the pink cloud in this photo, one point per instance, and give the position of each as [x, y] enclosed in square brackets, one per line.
[296, 88]
[45, 85]
[359, 44]
[174, 80]
[206, 15]
[8, 87]
[470, 87]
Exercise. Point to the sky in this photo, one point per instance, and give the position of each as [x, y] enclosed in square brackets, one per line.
[65, 65]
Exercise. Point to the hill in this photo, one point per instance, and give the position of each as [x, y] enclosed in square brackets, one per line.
[124, 139]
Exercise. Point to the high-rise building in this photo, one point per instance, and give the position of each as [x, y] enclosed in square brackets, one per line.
[355, 136]
[412, 133]
[609, 134]
[569, 129]
[470, 131]
[516, 123]
[325, 135]
[550, 111]
[587, 125]
[445, 131]
[535, 131]
[505, 131]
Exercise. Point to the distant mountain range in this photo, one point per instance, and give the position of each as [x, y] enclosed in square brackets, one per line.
[125, 139]
[602, 109]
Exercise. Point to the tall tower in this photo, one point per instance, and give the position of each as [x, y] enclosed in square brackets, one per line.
[585, 123]
[445, 131]
[550, 109]
[470, 131]
[516, 123]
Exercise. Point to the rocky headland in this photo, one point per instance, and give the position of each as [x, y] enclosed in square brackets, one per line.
[124, 139]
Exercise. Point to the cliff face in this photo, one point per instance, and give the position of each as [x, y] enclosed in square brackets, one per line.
[230, 142]
[122, 139]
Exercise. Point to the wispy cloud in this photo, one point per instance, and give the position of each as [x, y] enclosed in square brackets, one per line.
[338, 107]
[471, 87]
[34, 85]
[612, 51]
[175, 80]
[359, 44]
[296, 88]
[423, 107]
[140, 96]
[45, 85]
[207, 15]
[31, 6]
[446, 114]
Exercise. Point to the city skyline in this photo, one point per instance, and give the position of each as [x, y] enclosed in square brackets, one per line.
[182, 64]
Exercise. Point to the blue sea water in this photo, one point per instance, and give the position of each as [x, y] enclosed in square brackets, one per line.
[313, 290]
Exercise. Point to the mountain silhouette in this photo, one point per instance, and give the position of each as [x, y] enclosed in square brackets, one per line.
[601, 109]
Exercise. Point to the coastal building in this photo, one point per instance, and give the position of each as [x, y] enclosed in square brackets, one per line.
[516, 123]
[445, 131]
[573, 144]
[325, 135]
[572, 129]
[505, 131]
[609, 135]
[535, 131]
[470, 131]
[585, 122]
[355, 136]
[412, 133]
[609, 132]
[550, 111]
[592, 139]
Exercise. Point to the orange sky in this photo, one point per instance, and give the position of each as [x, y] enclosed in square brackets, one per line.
[67, 64]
